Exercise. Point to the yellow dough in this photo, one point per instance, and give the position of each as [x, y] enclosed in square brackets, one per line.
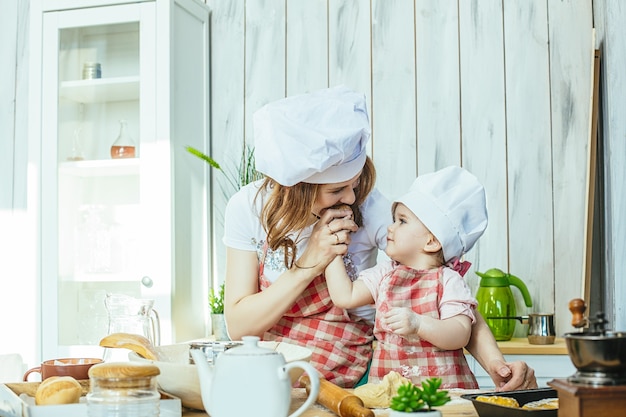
[58, 390]
[378, 395]
[545, 404]
[498, 400]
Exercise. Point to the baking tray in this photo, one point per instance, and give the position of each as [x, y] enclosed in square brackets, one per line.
[17, 400]
[493, 410]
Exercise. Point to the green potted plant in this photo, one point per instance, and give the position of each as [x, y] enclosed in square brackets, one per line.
[413, 400]
[216, 307]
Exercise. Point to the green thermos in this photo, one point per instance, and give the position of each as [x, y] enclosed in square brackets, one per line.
[496, 303]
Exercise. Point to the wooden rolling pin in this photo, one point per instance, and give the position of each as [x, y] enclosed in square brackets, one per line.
[337, 399]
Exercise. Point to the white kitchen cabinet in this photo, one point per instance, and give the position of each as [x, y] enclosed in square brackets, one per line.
[136, 226]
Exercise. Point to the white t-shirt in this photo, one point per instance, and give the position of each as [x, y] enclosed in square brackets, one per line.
[243, 231]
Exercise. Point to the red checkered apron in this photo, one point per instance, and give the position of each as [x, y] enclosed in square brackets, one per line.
[341, 344]
[415, 359]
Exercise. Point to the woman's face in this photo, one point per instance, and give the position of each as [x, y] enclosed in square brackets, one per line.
[337, 193]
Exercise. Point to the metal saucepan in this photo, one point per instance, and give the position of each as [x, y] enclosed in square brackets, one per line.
[540, 327]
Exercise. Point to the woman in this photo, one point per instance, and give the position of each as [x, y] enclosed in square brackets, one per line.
[282, 232]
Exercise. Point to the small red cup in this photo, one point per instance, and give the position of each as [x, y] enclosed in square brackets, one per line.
[77, 368]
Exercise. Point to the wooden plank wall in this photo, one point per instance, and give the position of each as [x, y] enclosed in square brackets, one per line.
[499, 86]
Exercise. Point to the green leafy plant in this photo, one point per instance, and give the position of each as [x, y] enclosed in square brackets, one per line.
[246, 171]
[412, 397]
[216, 300]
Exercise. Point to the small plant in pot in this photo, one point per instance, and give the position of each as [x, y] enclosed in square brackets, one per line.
[418, 401]
[216, 306]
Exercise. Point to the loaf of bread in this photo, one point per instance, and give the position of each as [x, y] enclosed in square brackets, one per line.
[499, 400]
[135, 342]
[544, 404]
[58, 390]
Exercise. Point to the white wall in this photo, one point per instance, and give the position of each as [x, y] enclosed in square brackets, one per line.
[19, 295]
[499, 86]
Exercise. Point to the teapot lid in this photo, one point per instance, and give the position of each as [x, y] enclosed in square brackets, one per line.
[250, 347]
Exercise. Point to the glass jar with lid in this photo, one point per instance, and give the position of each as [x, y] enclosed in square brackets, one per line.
[123, 389]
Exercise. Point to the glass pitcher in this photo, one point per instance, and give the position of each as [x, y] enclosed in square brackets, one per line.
[131, 315]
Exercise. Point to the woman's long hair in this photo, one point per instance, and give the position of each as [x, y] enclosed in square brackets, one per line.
[287, 210]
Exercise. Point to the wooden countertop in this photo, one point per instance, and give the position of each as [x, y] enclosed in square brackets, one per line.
[458, 407]
[520, 346]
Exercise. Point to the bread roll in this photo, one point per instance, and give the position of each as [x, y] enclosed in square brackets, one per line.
[58, 390]
[544, 404]
[137, 343]
[499, 400]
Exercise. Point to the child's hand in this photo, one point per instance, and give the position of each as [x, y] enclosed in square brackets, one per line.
[402, 321]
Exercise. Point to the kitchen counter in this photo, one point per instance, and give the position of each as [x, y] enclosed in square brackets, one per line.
[520, 346]
[458, 407]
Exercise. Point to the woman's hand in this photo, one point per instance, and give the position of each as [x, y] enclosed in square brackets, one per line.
[509, 376]
[330, 237]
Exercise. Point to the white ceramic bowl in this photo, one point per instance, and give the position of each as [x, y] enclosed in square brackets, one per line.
[180, 378]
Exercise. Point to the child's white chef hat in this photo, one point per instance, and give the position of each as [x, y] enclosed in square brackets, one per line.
[317, 138]
[451, 203]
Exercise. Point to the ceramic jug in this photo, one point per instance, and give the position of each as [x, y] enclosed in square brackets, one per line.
[496, 303]
[249, 380]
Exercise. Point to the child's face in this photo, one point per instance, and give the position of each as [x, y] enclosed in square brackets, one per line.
[407, 237]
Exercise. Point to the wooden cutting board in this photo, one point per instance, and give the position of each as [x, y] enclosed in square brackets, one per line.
[457, 408]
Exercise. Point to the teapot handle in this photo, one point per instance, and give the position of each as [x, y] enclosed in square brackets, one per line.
[315, 384]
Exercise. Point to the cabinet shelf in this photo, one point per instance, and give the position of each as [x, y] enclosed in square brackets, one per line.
[101, 90]
[107, 223]
[100, 167]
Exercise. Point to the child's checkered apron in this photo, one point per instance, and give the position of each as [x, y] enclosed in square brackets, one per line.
[341, 344]
[415, 359]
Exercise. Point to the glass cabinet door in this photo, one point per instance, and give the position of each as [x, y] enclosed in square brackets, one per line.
[101, 206]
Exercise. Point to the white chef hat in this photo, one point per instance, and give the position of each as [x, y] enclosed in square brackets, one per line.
[317, 138]
[451, 203]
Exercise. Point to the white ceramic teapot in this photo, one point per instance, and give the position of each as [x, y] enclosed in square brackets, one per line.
[249, 380]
